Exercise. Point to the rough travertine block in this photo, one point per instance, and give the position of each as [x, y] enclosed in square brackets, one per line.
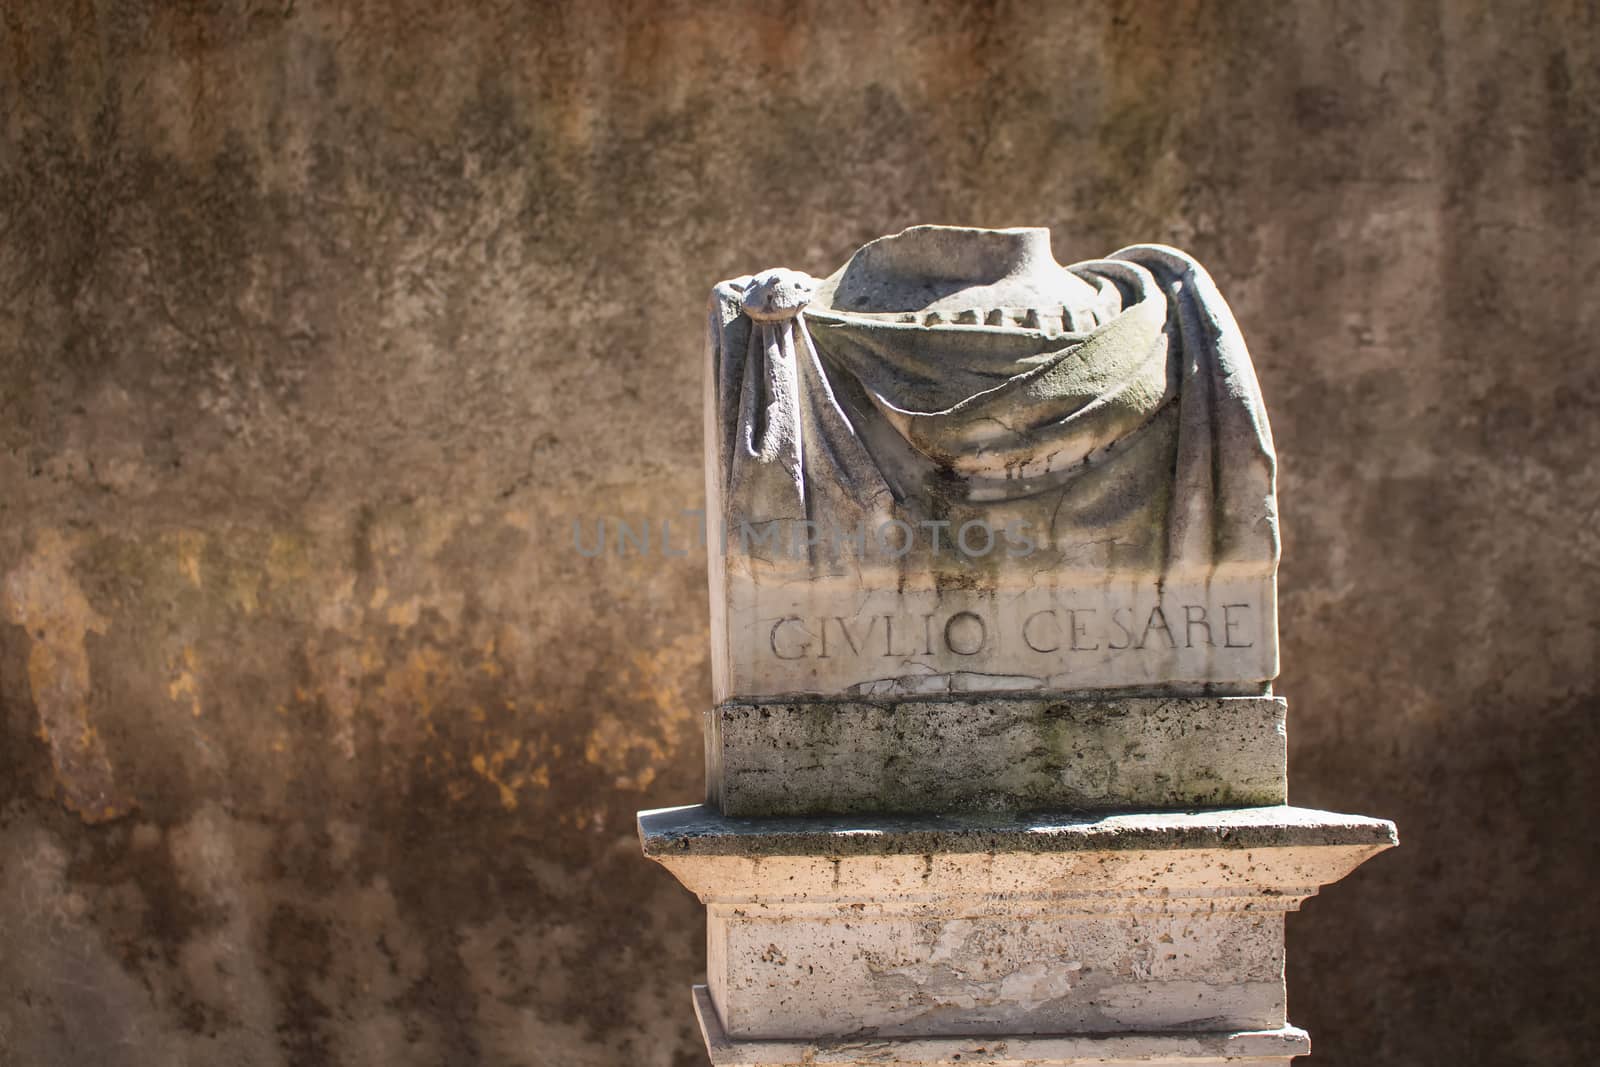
[918, 926]
[1062, 970]
[998, 754]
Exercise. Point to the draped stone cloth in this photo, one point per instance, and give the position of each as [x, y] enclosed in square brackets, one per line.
[1124, 433]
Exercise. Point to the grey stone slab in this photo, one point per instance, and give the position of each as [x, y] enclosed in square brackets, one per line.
[996, 754]
[700, 830]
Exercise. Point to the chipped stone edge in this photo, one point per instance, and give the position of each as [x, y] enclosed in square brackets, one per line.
[1237, 1048]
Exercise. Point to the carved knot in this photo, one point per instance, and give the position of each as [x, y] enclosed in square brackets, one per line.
[778, 294]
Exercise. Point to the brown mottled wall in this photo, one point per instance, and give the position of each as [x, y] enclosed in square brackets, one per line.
[320, 324]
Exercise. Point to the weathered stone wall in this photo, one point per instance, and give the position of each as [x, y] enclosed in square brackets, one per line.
[322, 322]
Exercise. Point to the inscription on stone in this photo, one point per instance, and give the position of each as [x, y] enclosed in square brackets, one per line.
[867, 642]
[967, 633]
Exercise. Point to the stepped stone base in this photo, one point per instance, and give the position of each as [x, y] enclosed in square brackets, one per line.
[1264, 1048]
[963, 928]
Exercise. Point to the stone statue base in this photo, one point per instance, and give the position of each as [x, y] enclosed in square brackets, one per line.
[1003, 938]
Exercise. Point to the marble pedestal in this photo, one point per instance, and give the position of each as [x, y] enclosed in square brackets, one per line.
[988, 537]
[984, 934]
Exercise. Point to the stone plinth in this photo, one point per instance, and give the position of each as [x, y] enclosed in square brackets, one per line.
[953, 927]
[1088, 753]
